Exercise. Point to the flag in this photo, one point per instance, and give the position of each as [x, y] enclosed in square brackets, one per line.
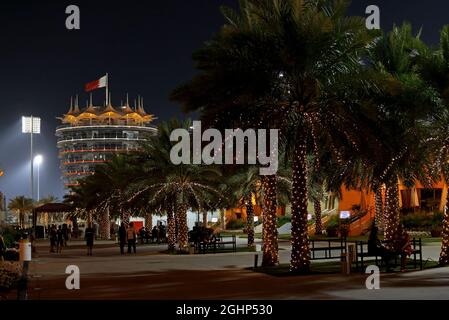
[100, 83]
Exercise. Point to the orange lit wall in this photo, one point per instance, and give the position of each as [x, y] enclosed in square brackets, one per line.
[355, 197]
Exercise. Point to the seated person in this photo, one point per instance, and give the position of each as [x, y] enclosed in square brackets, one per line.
[402, 246]
[376, 248]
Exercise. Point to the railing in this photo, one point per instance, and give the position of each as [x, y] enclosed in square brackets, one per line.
[71, 184]
[81, 173]
[67, 163]
[361, 253]
[361, 224]
[100, 139]
[69, 126]
[101, 150]
[336, 244]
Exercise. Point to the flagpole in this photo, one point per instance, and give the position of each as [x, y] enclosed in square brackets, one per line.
[107, 89]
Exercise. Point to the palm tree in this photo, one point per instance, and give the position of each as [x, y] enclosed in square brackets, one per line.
[104, 193]
[184, 186]
[48, 199]
[434, 67]
[21, 205]
[272, 65]
[403, 124]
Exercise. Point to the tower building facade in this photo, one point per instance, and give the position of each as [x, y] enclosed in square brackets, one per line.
[95, 134]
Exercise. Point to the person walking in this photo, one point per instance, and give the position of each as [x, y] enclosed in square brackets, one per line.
[131, 237]
[65, 234]
[52, 238]
[89, 236]
[122, 237]
[59, 240]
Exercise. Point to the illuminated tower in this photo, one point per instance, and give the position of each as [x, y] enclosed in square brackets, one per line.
[93, 135]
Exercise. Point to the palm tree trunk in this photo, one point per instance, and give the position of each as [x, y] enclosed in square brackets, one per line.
[270, 239]
[89, 217]
[444, 255]
[105, 225]
[392, 214]
[183, 231]
[149, 221]
[379, 207]
[250, 221]
[300, 257]
[171, 231]
[222, 218]
[318, 223]
[21, 219]
[124, 217]
[205, 218]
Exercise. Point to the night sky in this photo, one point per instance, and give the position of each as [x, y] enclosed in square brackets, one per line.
[146, 48]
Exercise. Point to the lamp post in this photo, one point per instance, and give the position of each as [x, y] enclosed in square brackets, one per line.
[38, 160]
[31, 125]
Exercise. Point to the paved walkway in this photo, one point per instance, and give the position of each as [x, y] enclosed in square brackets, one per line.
[150, 274]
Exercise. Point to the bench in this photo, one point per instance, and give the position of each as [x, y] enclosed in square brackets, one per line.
[340, 247]
[218, 243]
[416, 251]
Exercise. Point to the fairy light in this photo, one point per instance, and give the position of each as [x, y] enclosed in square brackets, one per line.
[444, 255]
[250, 220]
[270, 240]
[171, 230]
[183, 231]
[89, 217]
[149, 221]
[124, 217]
[105, 225]
[392, 220]
[318, 222]
[312, 119]
[300, 256]
[379, 206]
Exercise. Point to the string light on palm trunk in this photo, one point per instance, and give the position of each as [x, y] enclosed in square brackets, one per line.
[124, 217]
[249, 220]
[171, 230]
[444, 255]
[392, 217]
[318, 222]
[312, 119]
[104, 223]
[300, 256]
[183, 232]
[379, 207]
[270, 241]
[149, 221]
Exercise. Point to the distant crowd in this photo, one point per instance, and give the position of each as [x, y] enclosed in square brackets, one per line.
[125, 236]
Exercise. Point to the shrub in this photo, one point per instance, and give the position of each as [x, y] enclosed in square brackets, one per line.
[422, 221]
[283, 220]
[333, 225]
[10, 235]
